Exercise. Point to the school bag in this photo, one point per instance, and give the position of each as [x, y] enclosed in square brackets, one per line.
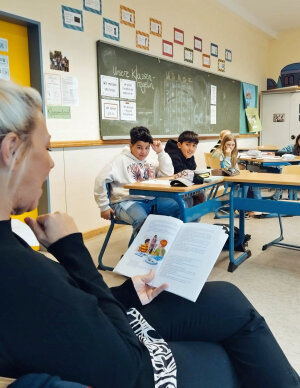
[243, 247]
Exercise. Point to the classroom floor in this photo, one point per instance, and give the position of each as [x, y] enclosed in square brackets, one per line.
[270, 279]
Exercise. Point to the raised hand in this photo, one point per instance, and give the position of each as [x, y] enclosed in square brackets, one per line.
[157, 146]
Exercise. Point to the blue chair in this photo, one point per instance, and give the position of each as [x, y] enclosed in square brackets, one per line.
[113, 222]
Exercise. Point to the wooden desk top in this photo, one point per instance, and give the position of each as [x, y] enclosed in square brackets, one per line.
[269, 159]
[267, 178]
[175, 189]
[259, 148]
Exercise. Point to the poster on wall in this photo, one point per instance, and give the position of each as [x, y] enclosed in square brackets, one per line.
[221, 65]
[214, 50]
[155, 27]
[178, 36]
[111, 29]
[128, 110]
[58, 61]
[72, 18]
[127, 16]
[3, 45]
[127, 89]
[58, 112]
[142, 40]
[206, 60]
[188, 55]
[53, 89]
[109, 86]
[4, 67]
[254, 124]
[167, 48]
[94, 6]
[197, 43]
[69, 87]
[213, 114]
[228, 55]
[110, 109]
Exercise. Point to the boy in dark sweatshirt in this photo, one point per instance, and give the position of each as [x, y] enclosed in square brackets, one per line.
[182, 151]
[182, 154]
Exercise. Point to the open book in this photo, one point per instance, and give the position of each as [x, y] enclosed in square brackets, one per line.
[181, 254]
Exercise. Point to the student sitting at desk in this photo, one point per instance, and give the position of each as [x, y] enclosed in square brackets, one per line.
[228, 154]
[128, 167]
[293, 149]
[182, 154]
[222, 134]
[182, 151]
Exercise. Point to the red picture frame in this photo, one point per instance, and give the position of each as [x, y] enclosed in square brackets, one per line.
[167, 52]
[178, 36]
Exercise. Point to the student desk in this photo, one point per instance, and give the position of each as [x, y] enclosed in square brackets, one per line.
[242, 203]
[179, 194]
[276, 162]
[260, 148]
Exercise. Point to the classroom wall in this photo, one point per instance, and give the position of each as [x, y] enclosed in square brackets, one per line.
[283, 51]
[71, 182]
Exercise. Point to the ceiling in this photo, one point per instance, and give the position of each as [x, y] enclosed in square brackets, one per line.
[271, 16]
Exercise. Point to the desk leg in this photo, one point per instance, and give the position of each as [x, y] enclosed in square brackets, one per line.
[234, 263]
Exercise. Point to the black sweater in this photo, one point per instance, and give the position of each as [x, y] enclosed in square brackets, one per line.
[62, 319]
[179, 161]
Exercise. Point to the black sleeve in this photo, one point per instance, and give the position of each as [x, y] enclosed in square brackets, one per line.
[67, 324]
[178, 163]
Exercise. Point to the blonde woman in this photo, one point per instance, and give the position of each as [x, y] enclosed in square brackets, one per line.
[61, 318]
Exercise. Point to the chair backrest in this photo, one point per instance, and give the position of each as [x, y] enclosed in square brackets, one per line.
[212, 162]
[291, 169]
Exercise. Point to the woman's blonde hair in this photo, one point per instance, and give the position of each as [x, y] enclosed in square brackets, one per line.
[18, 107]
[234, 153]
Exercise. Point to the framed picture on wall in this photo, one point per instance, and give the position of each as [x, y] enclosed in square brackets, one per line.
[111, 29]
[178, 36]
[214, 50]
[206, 60]
[72, 18]
[197, 43]
[167, 48]
[142, 40]
[228, 55]
[94, 6]
[127, 16]
[155, 27]
[221, 65]
[188, 55]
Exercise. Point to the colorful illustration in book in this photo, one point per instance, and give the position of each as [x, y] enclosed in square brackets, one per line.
[153, 244]
[151, 250]
[144, 248]
[159, 252]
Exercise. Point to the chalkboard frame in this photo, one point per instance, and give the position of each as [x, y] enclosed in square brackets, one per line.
[108, 131]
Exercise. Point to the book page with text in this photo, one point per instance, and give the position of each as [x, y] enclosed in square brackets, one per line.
[150, 247]
[191, 259]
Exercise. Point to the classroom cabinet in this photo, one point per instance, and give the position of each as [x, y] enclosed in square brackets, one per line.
[280, 117]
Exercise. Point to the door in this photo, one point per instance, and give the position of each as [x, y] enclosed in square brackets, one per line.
[276, 111]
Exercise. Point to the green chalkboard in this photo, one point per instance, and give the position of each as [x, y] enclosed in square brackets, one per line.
[170, 98]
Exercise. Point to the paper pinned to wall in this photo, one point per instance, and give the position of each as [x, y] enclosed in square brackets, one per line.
[4, 67]
[69, 85]
[53, 89]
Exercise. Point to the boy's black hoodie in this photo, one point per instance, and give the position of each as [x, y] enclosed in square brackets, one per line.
[178, 159]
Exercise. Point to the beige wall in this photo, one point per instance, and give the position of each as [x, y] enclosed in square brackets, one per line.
[283, 51]
[71, 182]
